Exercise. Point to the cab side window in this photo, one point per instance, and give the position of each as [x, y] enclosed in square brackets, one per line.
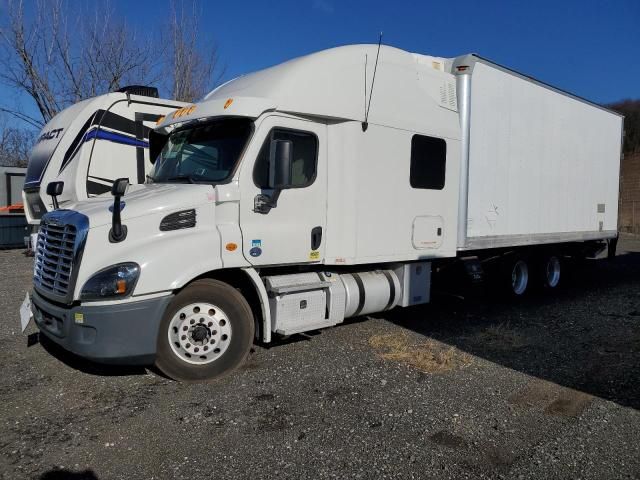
[428, 162]
[305, 158]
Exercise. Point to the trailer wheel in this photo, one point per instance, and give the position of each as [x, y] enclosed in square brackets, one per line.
[517, 276]
[550, 272]
[205, 333]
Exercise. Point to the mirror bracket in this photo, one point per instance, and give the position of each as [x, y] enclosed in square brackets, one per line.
[263, 203]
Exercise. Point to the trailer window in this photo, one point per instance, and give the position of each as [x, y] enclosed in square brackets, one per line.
[428, 162]
[305, 158]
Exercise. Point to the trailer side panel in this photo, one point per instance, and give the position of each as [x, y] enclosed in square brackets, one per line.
[543, 165]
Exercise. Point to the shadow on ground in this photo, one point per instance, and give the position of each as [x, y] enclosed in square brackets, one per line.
[87, 366]
[68, 475]
[585, 337]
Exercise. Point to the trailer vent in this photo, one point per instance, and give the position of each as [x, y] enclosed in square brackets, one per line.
[54, 258]
[448, 97]
[178, 221]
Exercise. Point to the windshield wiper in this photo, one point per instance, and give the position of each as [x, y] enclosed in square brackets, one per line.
[188, 178]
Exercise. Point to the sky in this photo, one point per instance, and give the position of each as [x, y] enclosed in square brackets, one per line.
[588, 47]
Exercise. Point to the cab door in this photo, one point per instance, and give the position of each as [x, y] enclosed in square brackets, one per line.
[287, 225]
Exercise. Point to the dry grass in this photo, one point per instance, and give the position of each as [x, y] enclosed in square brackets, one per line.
[429, 357]
[501, 337]
[553, 398]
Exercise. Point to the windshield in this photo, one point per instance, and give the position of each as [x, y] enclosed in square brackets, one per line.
[202, 154]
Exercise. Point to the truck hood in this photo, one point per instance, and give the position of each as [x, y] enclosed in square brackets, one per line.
[146, 199]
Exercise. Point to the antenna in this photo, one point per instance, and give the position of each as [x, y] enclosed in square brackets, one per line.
[365, 124]
[366, 57]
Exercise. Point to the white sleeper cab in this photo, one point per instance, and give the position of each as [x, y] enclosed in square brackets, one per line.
[294, 197]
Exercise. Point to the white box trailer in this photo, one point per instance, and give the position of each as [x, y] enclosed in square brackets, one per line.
[283, 203]
[539, 165]
[90, 144]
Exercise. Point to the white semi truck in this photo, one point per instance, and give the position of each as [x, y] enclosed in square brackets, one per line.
[90, 144]
[327, 187]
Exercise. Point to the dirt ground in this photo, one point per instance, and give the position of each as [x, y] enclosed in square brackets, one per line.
[544, 388]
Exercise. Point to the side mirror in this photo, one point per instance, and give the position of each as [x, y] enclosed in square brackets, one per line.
[119, 187]
[54, 189]
[280, 163]
[118, 231]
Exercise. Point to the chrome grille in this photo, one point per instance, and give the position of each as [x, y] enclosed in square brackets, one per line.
[54, 258]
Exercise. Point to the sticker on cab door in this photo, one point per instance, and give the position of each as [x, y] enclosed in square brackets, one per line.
[314, 255]
[256, 248]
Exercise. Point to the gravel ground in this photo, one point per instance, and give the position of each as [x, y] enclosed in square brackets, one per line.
[547, 388]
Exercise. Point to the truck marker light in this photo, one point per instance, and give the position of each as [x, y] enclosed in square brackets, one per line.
[231, 247]
[228, 103]
[160, 119]
[121, 286]
[181, 112]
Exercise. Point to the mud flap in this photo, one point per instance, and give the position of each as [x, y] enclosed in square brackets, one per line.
[612, 245]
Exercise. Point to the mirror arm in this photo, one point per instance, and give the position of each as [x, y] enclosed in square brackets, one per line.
[263, 203]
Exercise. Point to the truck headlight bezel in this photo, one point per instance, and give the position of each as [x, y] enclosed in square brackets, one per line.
[113, 282]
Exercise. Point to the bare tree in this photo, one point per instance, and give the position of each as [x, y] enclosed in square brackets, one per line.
[631, 111]
[15, 144]
[193, 57]
[58, 59]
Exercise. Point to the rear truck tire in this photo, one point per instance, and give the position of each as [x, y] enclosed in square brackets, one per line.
[516, 275]
[206, 332]
[550, 271]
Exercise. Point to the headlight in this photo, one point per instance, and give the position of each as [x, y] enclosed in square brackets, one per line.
[116, 281]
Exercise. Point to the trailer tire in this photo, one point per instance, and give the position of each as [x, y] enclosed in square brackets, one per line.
[516, 276]
[550, 271]
[206, 332]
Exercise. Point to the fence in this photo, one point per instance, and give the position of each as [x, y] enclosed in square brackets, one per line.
[629, 216]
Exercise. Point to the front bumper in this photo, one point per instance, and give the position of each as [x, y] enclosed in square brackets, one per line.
[123, 333]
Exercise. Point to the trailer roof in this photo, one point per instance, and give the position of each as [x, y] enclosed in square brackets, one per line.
[472, 58]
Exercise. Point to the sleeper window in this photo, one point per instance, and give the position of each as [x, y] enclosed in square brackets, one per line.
[428, 162]
[304, 161]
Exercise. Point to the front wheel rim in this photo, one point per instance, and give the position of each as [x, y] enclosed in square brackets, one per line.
[199, 333]
[552, 271]
[519, 277]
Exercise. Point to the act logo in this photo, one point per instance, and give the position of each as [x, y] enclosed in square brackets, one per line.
[55, 133]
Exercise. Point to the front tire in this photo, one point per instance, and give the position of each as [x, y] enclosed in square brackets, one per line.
[206, 332]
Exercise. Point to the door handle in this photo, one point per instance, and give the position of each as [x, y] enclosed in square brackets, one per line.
[316, 237]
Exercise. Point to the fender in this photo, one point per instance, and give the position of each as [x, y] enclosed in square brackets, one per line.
[264, 302]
